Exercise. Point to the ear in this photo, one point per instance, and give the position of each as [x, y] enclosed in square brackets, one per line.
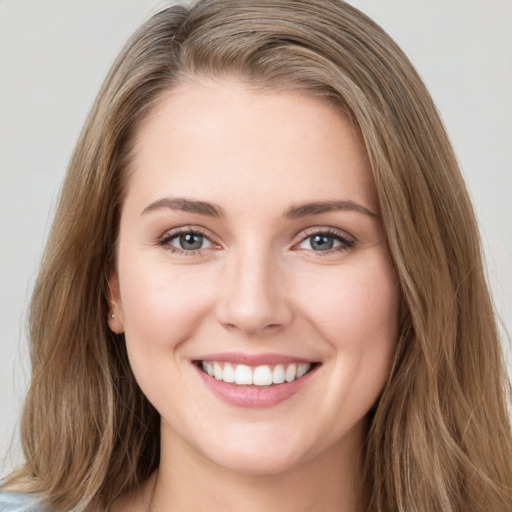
[115, 313]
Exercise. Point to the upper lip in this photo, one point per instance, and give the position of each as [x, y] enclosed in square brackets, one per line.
[252, 359]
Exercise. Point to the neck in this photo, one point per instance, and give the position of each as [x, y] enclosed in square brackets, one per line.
[187, 481]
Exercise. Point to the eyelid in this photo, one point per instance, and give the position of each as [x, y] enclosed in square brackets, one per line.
[170, 234]
[347, 240]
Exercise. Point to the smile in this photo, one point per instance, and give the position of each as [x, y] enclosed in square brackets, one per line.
[263, 375]
[255, 381]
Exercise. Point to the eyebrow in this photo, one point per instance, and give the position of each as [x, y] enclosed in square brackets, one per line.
[185, 205]
[318, 207]
[294, 212]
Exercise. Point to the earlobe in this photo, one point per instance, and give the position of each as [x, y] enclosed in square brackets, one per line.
[115, 313]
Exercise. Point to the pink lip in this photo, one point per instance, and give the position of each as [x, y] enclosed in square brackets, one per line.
[252, 359]
[251, 396]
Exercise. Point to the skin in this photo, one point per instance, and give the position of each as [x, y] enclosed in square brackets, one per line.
[257, 285]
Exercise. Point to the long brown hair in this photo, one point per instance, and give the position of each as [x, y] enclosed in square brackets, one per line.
[439, 438]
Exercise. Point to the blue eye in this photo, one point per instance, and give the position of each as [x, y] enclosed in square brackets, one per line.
[188, 241]
[323, 242]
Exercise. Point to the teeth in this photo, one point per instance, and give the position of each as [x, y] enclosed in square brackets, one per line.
[209, 369]
[291, 373]
[243, 375]
[263, 375]
[229, 373]
[217, 371]
[278, 374]
[302, 369]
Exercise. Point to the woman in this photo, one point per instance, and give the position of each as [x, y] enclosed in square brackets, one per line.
[263, 287]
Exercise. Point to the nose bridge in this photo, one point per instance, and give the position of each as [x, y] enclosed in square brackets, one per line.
[254, 297]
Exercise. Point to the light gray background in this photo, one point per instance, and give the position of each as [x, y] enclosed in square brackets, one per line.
[54, 55]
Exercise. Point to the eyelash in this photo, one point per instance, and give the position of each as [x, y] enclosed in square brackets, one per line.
[166, 240]
[346, 242]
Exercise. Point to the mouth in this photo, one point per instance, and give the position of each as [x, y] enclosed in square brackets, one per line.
[261, 376]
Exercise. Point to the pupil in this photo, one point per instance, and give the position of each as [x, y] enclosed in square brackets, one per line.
[191, 241]
[321, 242]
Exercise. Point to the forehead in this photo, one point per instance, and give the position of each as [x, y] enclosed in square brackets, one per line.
[228, 140]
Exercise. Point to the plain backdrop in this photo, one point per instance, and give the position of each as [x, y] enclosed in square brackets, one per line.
[55, 54]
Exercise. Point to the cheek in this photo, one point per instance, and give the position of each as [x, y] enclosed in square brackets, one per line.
[357, 314]
[162, 306]
[356, 307]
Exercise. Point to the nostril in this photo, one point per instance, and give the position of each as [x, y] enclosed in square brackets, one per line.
[252, 299]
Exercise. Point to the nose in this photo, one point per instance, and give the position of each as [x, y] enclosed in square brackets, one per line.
[254, 299]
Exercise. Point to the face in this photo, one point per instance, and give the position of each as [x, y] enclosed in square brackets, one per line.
[253, 282]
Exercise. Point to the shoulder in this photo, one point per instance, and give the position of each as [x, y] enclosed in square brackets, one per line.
[18, 502]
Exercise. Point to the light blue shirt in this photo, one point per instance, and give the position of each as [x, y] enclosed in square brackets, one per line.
[17, 502]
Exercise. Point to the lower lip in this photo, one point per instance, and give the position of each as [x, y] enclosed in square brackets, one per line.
[251, 396]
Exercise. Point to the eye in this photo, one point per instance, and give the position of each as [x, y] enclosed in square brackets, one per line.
[325, 241]
[186, 241]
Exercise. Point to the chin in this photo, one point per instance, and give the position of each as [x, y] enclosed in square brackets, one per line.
[259, 453]
[257, 463]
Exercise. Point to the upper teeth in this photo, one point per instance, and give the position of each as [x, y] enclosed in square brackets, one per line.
[259, 375]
